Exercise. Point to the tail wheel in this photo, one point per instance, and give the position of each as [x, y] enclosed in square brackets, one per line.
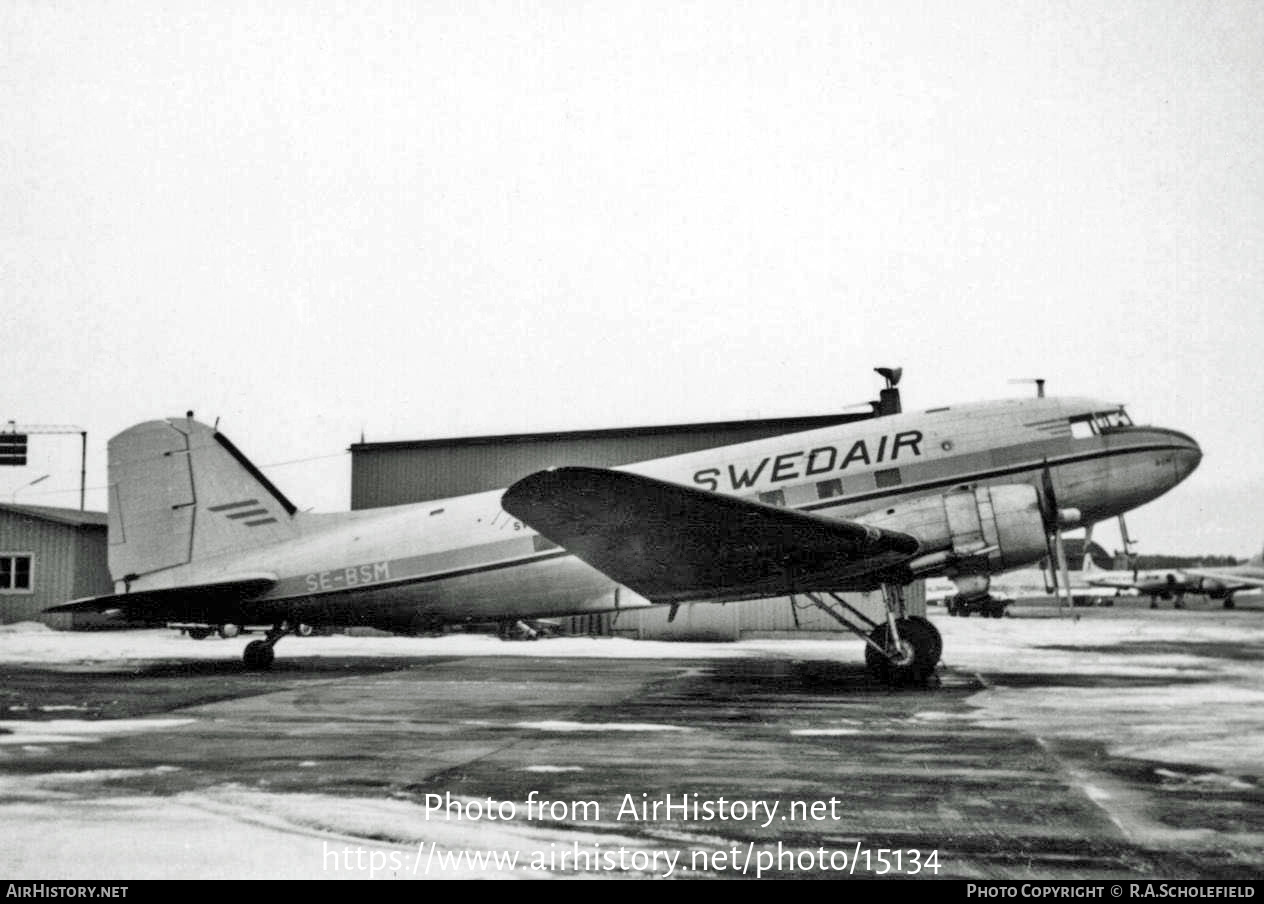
[229, 630]
[303, 630]
[913, 661]
[258, 655]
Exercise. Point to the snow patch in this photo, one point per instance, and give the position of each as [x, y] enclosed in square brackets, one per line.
[563, 726]
[78, 731]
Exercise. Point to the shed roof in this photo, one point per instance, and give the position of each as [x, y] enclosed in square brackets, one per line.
[782, 424]
[73, 517]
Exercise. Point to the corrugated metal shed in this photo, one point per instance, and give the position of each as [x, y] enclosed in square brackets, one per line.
[59, 554]
[394, 473]
[772, 618]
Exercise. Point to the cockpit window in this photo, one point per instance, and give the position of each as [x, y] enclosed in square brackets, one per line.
[1112, 420]
[1086, 425]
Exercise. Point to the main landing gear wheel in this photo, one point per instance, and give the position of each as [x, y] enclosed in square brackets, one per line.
[911, 662]
[938, 647]
[258, 655]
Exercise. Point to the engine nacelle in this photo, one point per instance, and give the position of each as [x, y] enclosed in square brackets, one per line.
[972, 586]
[1213, 588]
[979, 531]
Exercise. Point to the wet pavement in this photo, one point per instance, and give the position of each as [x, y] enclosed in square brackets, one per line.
[789, 762]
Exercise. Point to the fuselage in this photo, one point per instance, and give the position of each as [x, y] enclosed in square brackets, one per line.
[465, 558]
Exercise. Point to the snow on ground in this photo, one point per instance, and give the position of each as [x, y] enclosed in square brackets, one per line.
[77, 731]
[86, 647]
[231, 831]
[1179, 687]
[144, 837]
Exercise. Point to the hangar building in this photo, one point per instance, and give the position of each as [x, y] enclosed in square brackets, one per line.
[395, 473]
[49, 556]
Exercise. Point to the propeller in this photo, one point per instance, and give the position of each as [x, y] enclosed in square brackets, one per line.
[1048, 499]
[1128, 541]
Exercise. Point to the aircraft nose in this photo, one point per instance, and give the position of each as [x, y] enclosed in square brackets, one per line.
[1187, 459]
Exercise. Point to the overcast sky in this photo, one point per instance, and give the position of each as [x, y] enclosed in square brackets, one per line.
[423, 219]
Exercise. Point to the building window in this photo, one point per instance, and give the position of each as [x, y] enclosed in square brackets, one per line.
[888, 478]
[15, 574]
[775, 497]
[827, 489]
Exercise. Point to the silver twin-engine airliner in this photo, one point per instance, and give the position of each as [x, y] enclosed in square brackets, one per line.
[198, 534]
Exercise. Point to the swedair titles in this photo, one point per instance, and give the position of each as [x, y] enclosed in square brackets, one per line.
[812, 462]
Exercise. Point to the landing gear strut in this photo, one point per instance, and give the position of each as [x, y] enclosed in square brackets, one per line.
[259, 654]
[902, 651]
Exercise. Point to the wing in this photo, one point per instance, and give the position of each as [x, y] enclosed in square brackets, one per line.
[1230, 578]
[211, 602]
[672, 543]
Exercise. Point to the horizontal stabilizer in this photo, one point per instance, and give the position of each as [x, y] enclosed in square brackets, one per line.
[672, 543]
[212, 602]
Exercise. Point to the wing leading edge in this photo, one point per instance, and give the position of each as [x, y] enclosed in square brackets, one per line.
[672, 543]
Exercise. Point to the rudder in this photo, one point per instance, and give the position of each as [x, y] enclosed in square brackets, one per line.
[180, 491]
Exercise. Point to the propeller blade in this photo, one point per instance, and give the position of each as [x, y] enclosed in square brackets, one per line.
[1048, 499]
[1048, 502]
[1129, 558]
[1062, 568]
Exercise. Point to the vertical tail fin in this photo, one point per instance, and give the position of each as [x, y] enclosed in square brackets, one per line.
[180, 491]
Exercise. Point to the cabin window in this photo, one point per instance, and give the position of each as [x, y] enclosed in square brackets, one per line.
[828, 489]
[15, 574]
[887, 478]
[775, 497]
[1082, 427]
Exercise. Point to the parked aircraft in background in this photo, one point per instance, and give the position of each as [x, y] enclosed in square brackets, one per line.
[1173, 583]
[199, 535]
[1224, 581]
[960, 598]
